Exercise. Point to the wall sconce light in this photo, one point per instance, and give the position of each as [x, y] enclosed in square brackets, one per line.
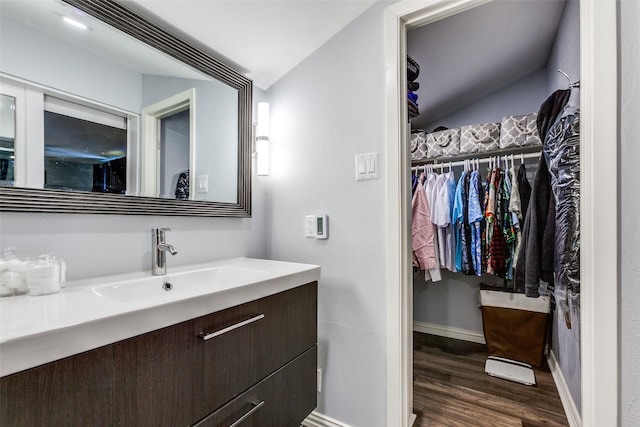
[262, 139]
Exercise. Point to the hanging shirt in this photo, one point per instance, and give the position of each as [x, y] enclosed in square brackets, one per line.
[449, 191]
[456, 218]
[485, 232]
[446, 187]
[516, 216]
[441, 217]
[524, 188]
[430, 190]
[515, 206]
[507, 225]
[422, 230]
[498, 243]
[490, 217]
[467, 263]
[475, 217]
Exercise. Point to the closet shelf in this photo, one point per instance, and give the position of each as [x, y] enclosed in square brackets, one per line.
[486, 154]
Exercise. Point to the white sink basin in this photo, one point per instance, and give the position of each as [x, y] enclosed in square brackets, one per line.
[178, 285]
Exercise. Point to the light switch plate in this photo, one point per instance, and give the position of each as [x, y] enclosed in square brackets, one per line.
[367, 166]
[202, 186]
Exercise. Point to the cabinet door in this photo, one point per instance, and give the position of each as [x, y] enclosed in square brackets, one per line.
[73, 391]
[283, 399]
[290, 326]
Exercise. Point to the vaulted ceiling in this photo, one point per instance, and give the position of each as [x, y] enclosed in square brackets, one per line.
[467, 56]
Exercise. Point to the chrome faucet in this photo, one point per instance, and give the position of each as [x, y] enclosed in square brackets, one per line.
[158, 251]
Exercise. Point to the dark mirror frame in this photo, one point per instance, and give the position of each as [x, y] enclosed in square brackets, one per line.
[13, 199]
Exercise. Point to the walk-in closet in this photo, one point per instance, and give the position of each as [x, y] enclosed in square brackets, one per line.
[493, 105]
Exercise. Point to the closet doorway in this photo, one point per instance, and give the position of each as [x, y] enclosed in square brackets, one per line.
[599, 304]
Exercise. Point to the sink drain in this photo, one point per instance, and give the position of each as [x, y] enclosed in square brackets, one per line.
[167, 286]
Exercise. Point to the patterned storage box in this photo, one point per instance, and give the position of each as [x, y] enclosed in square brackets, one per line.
[418, 146]
[444, 143]
[479, 138]
[519, 131]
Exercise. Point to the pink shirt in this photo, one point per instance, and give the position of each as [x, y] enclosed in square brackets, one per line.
[422, 229]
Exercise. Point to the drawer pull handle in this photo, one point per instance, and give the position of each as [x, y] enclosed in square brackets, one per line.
[208, 335]
[256, 406]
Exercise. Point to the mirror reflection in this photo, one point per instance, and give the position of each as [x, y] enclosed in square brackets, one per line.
[81, 154]
[7, 139]
[93, 110]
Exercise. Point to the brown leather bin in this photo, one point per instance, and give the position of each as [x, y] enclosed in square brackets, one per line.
[515, 328]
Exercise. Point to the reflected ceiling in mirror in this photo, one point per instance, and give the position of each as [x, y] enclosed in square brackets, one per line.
[137, 75]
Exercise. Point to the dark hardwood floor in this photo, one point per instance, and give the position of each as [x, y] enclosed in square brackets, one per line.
[450, 388]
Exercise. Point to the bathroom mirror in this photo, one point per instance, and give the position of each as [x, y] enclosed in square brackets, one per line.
[121, 117]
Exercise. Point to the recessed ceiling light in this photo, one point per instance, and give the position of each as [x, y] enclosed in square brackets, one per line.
[74, 23]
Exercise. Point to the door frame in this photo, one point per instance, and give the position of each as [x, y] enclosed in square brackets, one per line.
[598, 207]
[152, 116]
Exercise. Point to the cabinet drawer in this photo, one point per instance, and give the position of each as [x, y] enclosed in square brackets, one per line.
[283, 399]
[253, 340]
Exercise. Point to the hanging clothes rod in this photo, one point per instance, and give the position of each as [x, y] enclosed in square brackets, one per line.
[471, 161]
[572, 84]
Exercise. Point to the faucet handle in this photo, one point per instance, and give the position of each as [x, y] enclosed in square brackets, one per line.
[158, 233]
[161, 230]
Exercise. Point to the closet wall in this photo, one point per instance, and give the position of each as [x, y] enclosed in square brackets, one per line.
[451, 306]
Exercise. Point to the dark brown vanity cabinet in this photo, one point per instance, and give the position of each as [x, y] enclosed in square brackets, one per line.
[257, 366]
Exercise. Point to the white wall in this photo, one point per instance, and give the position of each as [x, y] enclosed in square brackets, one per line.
[329, 108]
[174, 149]
[520, 97]
[565, 54]
[629, 221]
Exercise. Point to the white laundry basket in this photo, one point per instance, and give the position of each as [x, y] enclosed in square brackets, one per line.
[515, 326]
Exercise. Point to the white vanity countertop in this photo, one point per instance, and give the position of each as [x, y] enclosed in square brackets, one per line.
[37, 330]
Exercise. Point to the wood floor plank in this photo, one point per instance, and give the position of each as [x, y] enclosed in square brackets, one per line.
[451, 389]
[467, 412]
[520, 410]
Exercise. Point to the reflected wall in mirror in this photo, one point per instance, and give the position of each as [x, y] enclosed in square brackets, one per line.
[7, 139]
[122, 108]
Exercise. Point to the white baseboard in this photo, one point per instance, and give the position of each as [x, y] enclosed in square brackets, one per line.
[316, 419]
[412, 419]
[570, 409]
[449, 332]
